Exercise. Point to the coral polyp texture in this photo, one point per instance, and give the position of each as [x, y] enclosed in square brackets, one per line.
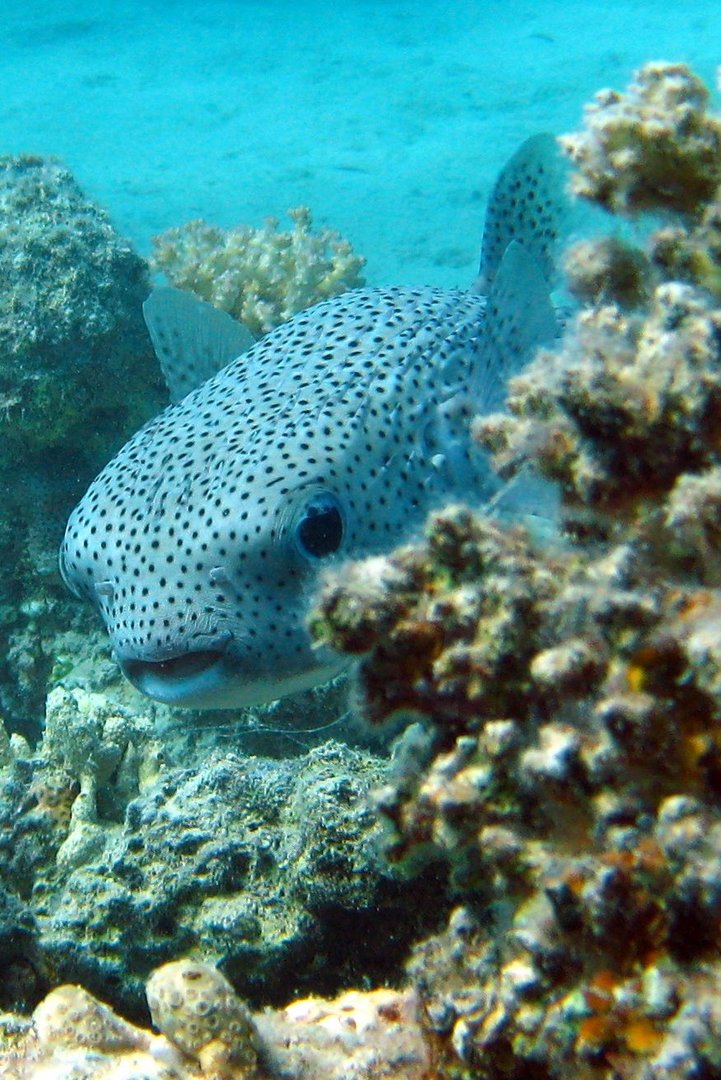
[567, 762]
[263, 275]
[207, 1031]
[198, 1010]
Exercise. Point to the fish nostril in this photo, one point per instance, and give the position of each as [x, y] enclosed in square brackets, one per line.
[171, 669]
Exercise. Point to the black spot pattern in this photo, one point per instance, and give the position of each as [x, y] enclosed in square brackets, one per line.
[187, 536]
[528, 204]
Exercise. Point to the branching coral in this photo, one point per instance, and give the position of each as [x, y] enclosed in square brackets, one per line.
[571, 770]
[261, 276]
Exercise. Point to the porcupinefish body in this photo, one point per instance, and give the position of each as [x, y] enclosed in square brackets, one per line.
[201, 543]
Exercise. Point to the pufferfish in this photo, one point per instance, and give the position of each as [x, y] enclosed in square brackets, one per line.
[203, 541]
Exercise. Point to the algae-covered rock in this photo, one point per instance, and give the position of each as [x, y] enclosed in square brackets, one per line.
[75, 363]
[263, 866]
[120, 851]
[77, 375]
[211, 860]
[20, 961]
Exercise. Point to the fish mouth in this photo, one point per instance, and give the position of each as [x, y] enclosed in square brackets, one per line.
[211, 679]
[172, 669]
[182, 679]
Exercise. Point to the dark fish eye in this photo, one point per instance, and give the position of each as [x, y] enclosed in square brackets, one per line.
[320, 526]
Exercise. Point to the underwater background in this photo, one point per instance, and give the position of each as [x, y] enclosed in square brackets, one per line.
[495, 850]
[389, 120]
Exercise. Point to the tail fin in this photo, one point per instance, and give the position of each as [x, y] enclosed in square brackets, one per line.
[518, 318]
[529, 205]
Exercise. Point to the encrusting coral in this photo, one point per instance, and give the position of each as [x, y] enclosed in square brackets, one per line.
[196, 1008]
[206, 1031]
[569, 762]
[261, 276]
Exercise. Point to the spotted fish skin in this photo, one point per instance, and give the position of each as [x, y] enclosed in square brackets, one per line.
[201, 543]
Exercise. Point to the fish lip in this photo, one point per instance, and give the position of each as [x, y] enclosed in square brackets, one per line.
[172, 676]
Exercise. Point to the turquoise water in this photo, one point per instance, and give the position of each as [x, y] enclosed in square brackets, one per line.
[389, 119]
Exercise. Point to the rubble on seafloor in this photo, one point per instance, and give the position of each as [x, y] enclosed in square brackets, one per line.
[569, 759]
[566, 760]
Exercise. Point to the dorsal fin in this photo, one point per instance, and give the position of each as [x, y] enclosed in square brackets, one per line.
[518, 318]
[529, 205]
[192, 340]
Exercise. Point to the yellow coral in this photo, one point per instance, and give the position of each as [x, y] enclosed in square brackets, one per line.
[261, 276]
[71, 1017]
[378, 1035]
[197, 1009]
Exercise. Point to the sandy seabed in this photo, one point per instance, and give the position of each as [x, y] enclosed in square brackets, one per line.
[389, 119]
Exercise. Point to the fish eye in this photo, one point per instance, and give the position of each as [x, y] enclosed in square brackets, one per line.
[320, 526]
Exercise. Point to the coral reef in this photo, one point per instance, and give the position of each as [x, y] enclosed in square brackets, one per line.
[207, 1031]
[117, 855]
[654, 147]
[625, 416]
[261, 276]
[236, 859]
[568, 760]
[565, 762]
